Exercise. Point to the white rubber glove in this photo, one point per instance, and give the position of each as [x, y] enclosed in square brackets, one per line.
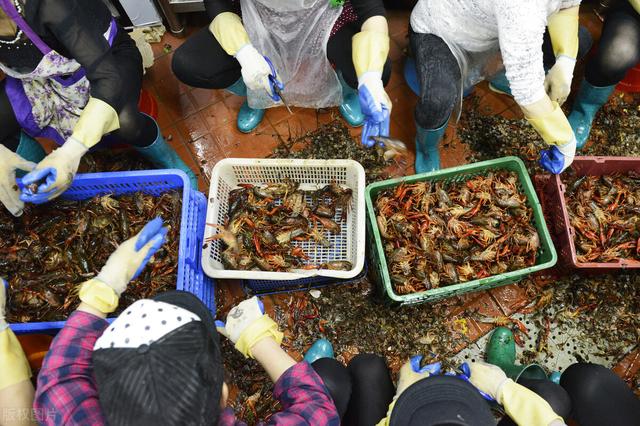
[9, 192]
[255, 69]
[247, 324]
[54, 174]
[557, 83]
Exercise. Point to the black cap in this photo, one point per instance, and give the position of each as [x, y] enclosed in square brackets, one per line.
[176, 379]
[441, 400]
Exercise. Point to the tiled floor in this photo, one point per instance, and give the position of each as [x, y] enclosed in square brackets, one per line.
[200, 124]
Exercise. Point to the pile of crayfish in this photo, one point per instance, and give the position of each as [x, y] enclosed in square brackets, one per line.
[49, 251]
[442, 233]
[265, 220]
[605, 213]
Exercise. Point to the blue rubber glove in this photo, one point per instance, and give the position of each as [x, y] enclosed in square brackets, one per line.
[375, 105]
[557, 158]
[54, 174]
[130, 258]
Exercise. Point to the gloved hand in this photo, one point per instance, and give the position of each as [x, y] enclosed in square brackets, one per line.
[557, 83]
[375, 105]
[124, 265]
[488, 378]
[247, 324]
[557, 158]
[411, 372]
[9, 192]
[255, 69]
[57, 171]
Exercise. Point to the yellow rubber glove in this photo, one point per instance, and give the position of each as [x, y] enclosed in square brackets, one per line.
[227, 28]
[97, 119]
[552, 125]
[524, 406]
[635, 4]
[563, 30]
[247, 324]
[14, 367]
[370, 51]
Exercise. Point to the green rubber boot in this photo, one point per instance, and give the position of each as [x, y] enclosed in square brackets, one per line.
[501, 351]
[589, 100]
[500, 84]
[164, 156]
[427, 152]
[30, 150]
[350, 107]
[248, 118]
[322, 348]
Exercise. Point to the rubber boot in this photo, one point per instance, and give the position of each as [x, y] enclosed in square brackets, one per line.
[427, 153]
[500, 84]
[322, 348]
[501, 351]
[248, 118]
[30, 150]
[165, 157]
[350, 107]
[589, 100]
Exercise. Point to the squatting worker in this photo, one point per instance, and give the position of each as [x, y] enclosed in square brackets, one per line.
[618, 51]
[72, 75]
[159, 362]
[304, 40]
[455, 42]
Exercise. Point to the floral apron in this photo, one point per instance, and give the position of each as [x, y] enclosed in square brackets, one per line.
[47, 101]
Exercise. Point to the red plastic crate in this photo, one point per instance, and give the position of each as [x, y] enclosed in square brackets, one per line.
[555, 208]
[631, 82]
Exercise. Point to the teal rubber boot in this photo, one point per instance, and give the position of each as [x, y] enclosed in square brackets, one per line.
[30, 150]
[165, 157]
[322, 348]
[350, 107]
[427, 153]
[500, 84]
[589, 100]
[248, 118]
[501, 351]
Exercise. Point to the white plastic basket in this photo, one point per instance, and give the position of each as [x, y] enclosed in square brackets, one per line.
[349, 245]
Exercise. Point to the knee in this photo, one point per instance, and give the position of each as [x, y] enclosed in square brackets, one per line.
[180, 65]
[554, 394]
[337, 380]
[369, 365]
[131, 125]
[434, 109]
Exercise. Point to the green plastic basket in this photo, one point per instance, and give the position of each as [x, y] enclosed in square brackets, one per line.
[379, 272]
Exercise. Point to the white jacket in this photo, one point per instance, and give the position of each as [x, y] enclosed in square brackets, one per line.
[518, 26]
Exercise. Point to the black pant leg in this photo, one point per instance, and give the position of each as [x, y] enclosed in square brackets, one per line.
[619, 48]
[554, 394]
[599, 397]
[439, 79]
[340, 54]
[9, 127]
[372, 390]
[202, 62]
[337, 380]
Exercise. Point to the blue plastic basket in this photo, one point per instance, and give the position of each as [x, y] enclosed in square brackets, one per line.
[191, 278]
[263, 288]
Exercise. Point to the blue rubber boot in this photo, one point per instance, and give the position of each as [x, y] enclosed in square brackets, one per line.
[427, 153]
[248, 118]
[350, 107]
[165, 157]
[589, 100]
[322, 348]
[30, 150]
[500, 84]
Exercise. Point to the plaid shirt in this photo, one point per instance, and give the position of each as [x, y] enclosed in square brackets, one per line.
[67, 392]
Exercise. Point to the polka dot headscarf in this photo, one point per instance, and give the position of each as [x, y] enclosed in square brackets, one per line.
[143, 323]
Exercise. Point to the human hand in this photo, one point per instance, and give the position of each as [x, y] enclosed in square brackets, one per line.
[557, 83]
[57, 171]
[488, 378]
[557, 158]
[376, 106]
[255, 68]
[9, 192]
[411, 372]
[247, 324]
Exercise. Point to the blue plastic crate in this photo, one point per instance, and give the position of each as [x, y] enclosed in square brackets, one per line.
[191, 278]
[264, 287]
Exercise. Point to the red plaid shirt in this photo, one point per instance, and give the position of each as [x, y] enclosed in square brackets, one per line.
[67, 392]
